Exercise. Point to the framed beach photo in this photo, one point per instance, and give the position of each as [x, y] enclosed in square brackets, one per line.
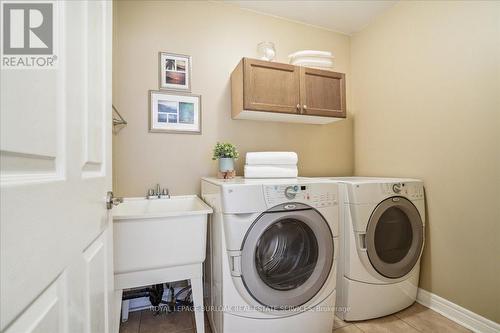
[174, 112]
[175, 71]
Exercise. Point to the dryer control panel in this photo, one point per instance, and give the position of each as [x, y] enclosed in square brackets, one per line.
[314, 195]
[413, 191]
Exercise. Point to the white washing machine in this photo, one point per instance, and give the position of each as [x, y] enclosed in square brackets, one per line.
[382, 238]
[272, 249]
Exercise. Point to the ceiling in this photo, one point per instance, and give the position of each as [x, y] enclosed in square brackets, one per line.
[346, 17]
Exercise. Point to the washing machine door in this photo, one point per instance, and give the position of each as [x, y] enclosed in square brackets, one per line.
[287, 256]
[394, 237]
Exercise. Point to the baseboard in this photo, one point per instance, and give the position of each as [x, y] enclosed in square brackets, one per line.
[457, 313]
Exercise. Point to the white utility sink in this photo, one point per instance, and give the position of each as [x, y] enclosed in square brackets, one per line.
[133, 208]
[157, 241]
[156, 233]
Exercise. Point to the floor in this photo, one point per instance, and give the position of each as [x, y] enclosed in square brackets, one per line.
[416, 318]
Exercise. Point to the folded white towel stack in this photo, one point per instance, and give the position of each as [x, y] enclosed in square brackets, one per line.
[272, 158]
[271, 171]
[271, 165]
[312, 58]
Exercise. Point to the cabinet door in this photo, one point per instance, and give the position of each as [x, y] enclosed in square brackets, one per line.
[271, 87]
[322, 93]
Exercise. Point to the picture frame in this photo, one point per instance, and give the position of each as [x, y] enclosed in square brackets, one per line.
[174, 112]
[174, 71]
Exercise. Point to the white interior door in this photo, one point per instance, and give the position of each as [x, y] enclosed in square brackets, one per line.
[55, 149]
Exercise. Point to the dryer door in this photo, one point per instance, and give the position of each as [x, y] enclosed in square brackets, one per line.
[287, 256]
[394, 237]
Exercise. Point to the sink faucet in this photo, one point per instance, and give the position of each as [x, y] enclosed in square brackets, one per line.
[158, 193]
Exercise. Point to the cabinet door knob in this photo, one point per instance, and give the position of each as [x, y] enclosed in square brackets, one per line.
[304, 107]
[298, 107]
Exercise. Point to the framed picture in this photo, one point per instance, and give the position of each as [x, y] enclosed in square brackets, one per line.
[175, 71]
[174, 112]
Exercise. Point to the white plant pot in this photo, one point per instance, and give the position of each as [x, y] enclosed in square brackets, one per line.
[226, 164]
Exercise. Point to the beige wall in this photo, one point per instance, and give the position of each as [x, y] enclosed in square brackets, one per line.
[217, 36]
[426, 98]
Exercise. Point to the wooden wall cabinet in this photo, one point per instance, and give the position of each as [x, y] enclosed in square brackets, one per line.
[263, 90]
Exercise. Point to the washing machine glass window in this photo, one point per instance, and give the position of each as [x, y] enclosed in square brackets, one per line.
[286, 257]
[286, 254]
[394, 237]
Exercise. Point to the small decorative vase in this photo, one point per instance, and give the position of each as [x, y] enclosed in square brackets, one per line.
[266, 51]
[226, 164]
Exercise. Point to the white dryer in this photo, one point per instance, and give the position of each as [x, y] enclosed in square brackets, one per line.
[382, 238]
[272, 248]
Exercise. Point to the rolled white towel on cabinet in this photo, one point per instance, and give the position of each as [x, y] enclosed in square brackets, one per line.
[271, 158]
[271, 171]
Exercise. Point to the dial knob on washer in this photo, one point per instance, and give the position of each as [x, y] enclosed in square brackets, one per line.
[291, 192]
[396, 188]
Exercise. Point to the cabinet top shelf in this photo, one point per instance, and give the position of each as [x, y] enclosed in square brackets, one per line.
[267, 63]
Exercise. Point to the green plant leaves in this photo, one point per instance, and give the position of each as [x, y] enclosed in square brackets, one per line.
[225, 150]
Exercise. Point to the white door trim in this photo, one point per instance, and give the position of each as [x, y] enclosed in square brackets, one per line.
[457, 313]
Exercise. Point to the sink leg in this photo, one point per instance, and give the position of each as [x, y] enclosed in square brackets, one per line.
[125, 305]
[197, 287]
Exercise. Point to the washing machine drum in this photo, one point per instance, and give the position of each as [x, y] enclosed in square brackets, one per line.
[287, 256]
[394, 237]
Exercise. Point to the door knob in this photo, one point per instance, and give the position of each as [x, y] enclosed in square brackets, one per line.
[298, 107]
[112, 201]
[304, 107]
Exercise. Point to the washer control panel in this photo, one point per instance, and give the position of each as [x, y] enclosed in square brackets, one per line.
[314, 195]
[413, 191]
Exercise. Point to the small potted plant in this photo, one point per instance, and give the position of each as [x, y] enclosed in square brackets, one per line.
[226, 153]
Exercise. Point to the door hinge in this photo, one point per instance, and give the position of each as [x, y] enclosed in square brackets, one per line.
[235, 262]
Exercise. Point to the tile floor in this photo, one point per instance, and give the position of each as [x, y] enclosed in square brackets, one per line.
[416, 318]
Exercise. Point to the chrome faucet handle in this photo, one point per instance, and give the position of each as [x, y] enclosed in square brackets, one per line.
[165, 193]
[151, 194]
[158, 189]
